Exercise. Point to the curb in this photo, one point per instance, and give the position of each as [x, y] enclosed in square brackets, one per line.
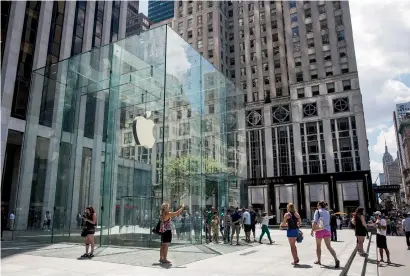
[348, 263]
[367, 256]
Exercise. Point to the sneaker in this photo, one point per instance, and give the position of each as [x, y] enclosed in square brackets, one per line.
[337, 265]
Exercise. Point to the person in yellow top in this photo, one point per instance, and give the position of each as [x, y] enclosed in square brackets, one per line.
[214, 226]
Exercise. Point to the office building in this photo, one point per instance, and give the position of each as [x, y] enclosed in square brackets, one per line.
[296, 64]
[404, 132]
[160, 10]
[139, 24]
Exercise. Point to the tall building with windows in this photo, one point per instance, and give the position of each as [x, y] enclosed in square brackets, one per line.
[303, 111]
[35, 34]
[160, 10]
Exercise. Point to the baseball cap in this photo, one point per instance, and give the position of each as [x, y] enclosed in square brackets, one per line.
[377, 213]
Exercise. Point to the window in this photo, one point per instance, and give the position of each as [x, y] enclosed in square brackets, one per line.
[263, 28]
[251, 31]
[244, 85]
[336, 5]
[341, 35]
[292, 4]
[243, 72]
[240, 21]
[264, 53]
[255, 97]
[327, 55]
[231, 49]
[241, 33]
[210, 29]
[325, 39]
[296, 46]
[274, 24]
[232, 61]
[340, 105]
[252, 42]
[199, 19]
[278, 78]
[276, 64]
[251, 19]
[298, 61]
[312, 58]
[189, 34]
[339, 20]
[315, 90]
[211, 109]
[309, 28]
[200, 44]
[210, 42]
[330, 87]
[266, 80]
[309, 110]
[264, 40]
[253, 56]
[261, 17]
[251, 7]
[342, 52]
[301, 93]
[347, 85]
[322, 9]
[295, 31]
[293, 17]
[323, 24]
[210, 53]
[329, 71]
[308, 13]
[276, 51]
[199, 30]
[242, 46]
[189, 10]
[242, 58]
[313, 74]
[311, 43]
[209, 17]
[180, 26]
[240, 10]
[275, 37]
[299, 77]
[345, 68]
[265, 67]
[210, 4]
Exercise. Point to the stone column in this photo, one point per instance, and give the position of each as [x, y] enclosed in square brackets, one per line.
[361, 195]
[297, 140]
[340, 196]
[268, 141]
[123, 20]
[9, 69]
[307, 203]
[32, 118]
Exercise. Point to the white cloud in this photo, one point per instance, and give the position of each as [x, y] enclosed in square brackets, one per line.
[377, 128]
[395, 91]
[376, 168]
[386, 136]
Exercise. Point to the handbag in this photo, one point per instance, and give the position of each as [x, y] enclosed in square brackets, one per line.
[157, 229]
[299, 238]
[84, 232]
[319, 224]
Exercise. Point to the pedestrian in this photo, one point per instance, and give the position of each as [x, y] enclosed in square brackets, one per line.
[339, 223]
[406, 229]
[3, 221]
[47, 221]
[292, 221]
[265, 229]
[215, 230]
[221, 220]
[90, 223]
[236, 225]
[321, 229]
[333, 226]
[254, 216]
[79, 220]
[381, 239]
[360, 229]
[246, 221]
[393, 227]
[196, 222]
[12, 218]
[166, 230]
[227, 226]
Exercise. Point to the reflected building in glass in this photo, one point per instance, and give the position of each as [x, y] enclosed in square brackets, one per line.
[135, 123]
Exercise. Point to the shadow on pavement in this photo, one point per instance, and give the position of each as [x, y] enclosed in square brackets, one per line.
[303, 266]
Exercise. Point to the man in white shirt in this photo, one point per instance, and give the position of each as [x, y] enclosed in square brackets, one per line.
[12, 217]
[406, 228]
[381, 239]
[246, 220]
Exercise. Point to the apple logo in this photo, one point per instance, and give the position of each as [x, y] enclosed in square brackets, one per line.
[142, 129]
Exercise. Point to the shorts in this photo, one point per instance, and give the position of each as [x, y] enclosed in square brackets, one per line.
[323, 234]
[381, 241]
[166, 237]
[236, 229]
[87, 232]
[292, 233]
[253, 226]
[247, 228]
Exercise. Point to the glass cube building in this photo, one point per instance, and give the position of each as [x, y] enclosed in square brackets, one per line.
[132, 124]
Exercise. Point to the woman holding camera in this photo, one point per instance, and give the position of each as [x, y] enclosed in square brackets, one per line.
[90, 222]
[166, 230]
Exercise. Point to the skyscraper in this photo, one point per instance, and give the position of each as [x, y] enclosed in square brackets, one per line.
[295, 61]
[160, 10]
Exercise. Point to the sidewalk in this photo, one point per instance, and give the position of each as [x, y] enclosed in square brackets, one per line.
[263, 260]
[400, 258]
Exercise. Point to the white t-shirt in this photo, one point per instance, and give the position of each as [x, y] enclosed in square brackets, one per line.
[381, 222]
[246, 218]
[406, 224]
[12, 216]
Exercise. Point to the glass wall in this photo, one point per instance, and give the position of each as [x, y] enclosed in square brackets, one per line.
[135, 123]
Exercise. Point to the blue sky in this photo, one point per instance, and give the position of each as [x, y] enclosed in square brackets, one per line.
[381, 31]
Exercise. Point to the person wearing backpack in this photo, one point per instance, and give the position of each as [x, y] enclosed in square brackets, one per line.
[292, 221]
